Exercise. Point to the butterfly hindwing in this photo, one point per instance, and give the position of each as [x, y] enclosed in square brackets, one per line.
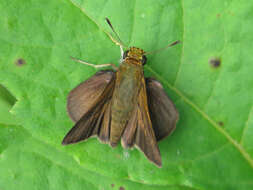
[163, 113]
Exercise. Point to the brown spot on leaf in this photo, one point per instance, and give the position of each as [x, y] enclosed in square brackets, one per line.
[220, 123]
[20, 62]
[215, 62]
[218, 15]
[121, 188]
[112, 185]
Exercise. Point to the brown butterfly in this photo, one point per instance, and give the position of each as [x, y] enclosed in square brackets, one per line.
[122, 105]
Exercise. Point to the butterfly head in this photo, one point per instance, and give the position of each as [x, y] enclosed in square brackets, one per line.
[135, 54]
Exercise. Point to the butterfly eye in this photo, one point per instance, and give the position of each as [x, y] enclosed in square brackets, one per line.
[125, 54]
[144, 60]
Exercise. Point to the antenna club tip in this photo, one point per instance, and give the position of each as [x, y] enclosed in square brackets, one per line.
[108, 21]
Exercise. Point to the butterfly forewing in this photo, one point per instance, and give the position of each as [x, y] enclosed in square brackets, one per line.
[104, 133]
[128, 137]
[145, 138]
[139, 130]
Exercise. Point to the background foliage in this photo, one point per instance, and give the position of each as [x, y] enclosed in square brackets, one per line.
[212, 146]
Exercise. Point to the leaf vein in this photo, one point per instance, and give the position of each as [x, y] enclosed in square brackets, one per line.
[246, 126]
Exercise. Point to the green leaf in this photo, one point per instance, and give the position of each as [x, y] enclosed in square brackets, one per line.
[212, 145]
[27, 163]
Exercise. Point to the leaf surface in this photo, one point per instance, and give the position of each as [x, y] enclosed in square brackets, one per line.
[212, 145]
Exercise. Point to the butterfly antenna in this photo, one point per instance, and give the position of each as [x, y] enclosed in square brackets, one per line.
[158, 50]
[119, 42]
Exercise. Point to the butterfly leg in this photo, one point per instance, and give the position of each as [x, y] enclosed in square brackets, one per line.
[93, 65]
